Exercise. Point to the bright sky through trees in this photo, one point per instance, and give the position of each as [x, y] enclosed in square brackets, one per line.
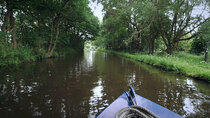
[97, 9]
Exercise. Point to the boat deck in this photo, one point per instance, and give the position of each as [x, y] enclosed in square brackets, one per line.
[121, 102]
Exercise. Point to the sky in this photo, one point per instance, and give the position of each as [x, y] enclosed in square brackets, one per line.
[96, 9]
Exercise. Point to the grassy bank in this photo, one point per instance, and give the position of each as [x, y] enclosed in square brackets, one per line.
[15, 56]
[180, 62]
[11, 56]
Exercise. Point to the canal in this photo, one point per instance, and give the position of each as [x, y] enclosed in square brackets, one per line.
[80, 86]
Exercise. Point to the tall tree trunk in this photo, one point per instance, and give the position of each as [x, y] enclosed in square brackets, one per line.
[5, 22]
[5, 25]
[51, 38]
[13, 29]
[170, 45]
[169, 48]
[151, 45]
[39, 26]
[53, 43]
[206, 52]
[39, 31]
[9, 19]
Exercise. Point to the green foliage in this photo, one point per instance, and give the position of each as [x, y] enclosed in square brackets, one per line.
[205, 31]
[135, 25]
[185, 45]
[46, 28]
[160, 46]
[11, 56]
[199, 43]
[198, 46]
[101, 41]
[114, 33]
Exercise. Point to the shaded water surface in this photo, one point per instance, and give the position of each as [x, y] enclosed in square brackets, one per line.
[83, 85]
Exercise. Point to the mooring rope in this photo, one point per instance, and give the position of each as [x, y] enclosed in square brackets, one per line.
[135, 111]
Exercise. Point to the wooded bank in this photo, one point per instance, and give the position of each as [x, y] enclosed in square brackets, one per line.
[34, 29]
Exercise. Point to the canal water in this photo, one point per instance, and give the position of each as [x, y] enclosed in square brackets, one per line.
[80, 86]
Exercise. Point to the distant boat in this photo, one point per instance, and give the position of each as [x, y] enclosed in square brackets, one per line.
[131, 105]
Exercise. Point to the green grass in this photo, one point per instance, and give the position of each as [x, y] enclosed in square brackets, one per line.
[15, 56]
[179, 62]
[11, 56]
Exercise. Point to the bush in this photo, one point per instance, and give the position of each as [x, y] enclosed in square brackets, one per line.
[185, 45]
[13, 56]
[198, 46]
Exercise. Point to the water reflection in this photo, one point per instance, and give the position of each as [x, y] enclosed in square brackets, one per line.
[132, 78]
[81, 86]
[89, 56]
[97, 98]
[194, 103]
[188, 106]
[63, 109]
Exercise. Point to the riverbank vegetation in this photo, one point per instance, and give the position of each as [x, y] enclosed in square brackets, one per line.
[173, 35]
[36, 29]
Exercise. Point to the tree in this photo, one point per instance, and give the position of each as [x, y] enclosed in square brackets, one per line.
[51, 17]
[9, 21]
[180, 22]
[204, 35]
[44, 28]
[137, 18]
[173, 20]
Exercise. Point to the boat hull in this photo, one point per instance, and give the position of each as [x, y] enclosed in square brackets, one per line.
[121, 102]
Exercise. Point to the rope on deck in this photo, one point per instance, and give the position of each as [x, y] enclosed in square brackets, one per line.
[135, 111]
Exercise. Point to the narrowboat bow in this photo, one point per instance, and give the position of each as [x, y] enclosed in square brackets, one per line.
[131, 105]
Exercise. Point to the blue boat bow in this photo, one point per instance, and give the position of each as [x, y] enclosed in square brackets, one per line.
[129, 98]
